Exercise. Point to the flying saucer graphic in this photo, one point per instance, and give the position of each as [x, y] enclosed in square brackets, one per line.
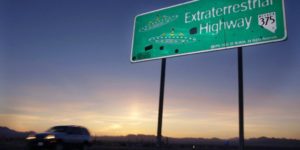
[172, 38]
[158, 22]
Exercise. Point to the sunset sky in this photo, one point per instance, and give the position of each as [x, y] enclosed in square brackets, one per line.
[67, 62]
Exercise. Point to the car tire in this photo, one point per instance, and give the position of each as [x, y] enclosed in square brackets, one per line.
[59, 146]
[84, 147]
[30, 148]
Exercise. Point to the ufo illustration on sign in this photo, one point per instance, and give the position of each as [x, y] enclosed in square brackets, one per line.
[172, 38]
[158, 22]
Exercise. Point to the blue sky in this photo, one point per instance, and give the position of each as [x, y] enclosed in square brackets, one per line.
[67, 62]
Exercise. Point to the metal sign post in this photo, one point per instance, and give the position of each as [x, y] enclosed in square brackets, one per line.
[241, 98]
[161, 102]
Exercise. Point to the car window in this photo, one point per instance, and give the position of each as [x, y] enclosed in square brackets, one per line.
[58, 129]
[85, 131]
[70, 130]
[74, 130]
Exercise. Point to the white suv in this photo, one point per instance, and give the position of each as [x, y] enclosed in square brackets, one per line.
[60, 138]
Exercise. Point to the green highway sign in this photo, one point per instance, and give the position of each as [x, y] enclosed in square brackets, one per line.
[207, 25]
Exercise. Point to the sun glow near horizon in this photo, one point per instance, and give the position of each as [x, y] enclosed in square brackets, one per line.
[139, 116]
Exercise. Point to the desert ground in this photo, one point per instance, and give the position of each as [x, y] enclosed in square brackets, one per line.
[21, 145]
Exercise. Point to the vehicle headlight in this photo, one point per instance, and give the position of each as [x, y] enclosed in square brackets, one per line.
[48, 137]
[31, 137]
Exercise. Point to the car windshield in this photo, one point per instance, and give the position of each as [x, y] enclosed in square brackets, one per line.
[58, 129]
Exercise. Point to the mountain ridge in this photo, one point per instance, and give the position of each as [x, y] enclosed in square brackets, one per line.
[7, 133]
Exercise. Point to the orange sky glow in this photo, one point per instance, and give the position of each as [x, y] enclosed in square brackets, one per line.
[137, 114]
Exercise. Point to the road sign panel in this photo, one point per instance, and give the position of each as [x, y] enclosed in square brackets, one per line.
[207, 25]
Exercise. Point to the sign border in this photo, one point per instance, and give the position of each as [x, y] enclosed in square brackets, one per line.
[203, 51]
